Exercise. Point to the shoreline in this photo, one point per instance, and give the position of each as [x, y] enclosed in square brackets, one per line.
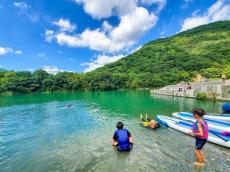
[217, 90]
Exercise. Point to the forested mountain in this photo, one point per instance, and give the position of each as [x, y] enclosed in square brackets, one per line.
[204, 50]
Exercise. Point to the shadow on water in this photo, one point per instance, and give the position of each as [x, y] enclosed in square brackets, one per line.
[38, 133]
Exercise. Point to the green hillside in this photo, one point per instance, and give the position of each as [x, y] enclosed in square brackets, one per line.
[205, 50]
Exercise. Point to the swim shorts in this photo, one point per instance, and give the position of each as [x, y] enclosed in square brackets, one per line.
[200, 143]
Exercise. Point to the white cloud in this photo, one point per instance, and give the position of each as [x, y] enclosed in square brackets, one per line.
[18, 52]
[21, 5]
[49, 35]
[5, 50]
[52, 69]
[133, 26]
[106, 8]
[106, 26]
[134, 22]
[218, 11]
[65, 25]
[0, 66]
[26, 10]
[111, 39]
[94, 39]
[101, 61]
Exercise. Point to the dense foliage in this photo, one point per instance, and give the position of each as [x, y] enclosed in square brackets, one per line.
[204, 50]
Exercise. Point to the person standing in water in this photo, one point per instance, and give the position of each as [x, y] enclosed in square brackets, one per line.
[122, 138]
[200, 131]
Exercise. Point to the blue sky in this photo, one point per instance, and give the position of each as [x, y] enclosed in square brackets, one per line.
[81, 35]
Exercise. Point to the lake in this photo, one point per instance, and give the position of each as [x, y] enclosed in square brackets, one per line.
[73, 132]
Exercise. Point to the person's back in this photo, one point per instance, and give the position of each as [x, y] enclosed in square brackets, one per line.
[122, 138]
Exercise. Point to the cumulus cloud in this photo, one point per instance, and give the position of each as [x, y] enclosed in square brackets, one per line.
[94, 39]
[49, 35]
[21, 5]
[106, 8]
[52, 69]
[5, 50]
[111, 39]
[106, 26]
[133, 26]
[218, 11]
[101, 61]
[65, 25]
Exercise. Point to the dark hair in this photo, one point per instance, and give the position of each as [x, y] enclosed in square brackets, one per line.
[199, 112]
[119, 125]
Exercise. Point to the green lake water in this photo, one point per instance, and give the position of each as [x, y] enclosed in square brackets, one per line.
[38, 133]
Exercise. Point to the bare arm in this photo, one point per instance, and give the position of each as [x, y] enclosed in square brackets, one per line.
[113, 142]
[131, 139]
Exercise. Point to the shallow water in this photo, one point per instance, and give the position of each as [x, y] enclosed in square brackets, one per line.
[39, 133]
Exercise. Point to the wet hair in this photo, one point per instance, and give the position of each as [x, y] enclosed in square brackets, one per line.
[199, 112]
[119, 125]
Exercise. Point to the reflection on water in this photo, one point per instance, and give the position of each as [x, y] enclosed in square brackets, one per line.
[43, 135]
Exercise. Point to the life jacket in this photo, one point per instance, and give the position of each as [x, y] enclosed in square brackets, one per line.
[123, 140]
[204, 126]
[146, 123]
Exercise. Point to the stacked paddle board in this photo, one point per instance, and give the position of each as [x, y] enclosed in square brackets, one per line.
[219, 125]
[219, 117]
[183, 122]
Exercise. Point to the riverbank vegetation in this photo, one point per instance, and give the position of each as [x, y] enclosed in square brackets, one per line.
[204, 50]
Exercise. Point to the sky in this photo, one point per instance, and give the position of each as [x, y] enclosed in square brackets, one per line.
[82, 35]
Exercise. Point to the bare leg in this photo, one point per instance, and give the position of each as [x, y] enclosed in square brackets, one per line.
[198, 155]
[202, 155]
[142, 119]
[199, 158]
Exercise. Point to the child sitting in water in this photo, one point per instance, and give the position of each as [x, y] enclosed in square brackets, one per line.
[122, 138]
[200, 131]
[149, 123]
